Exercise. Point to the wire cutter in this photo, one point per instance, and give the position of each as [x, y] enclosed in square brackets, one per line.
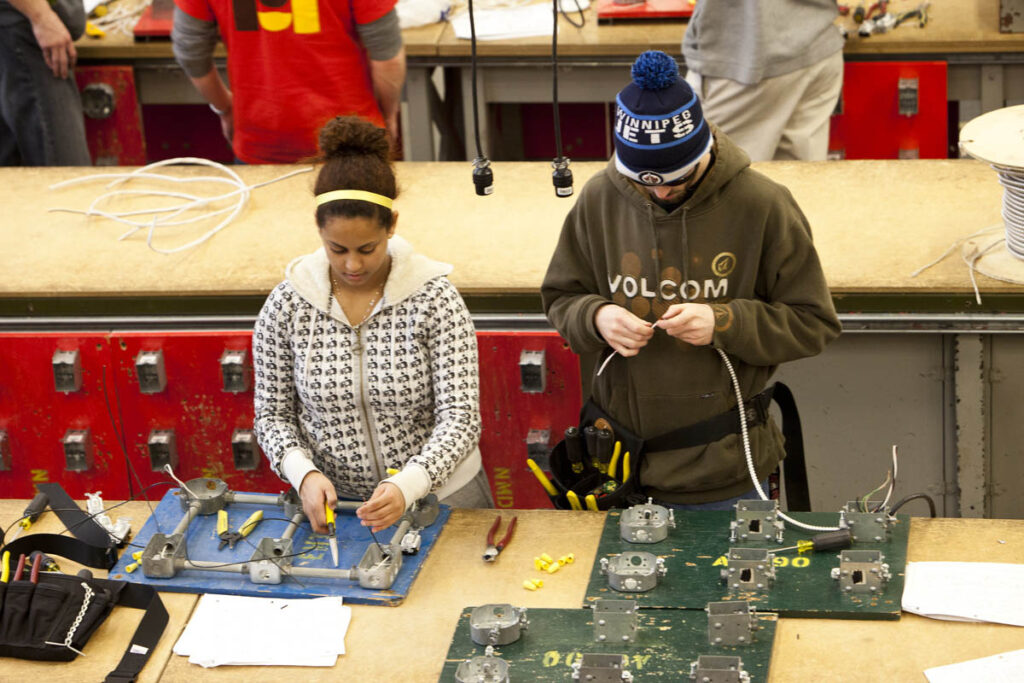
[230, 538]
[491, 554]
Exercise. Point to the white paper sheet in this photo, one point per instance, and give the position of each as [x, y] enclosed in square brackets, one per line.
[233, 629]
[513, 22]
[966, 591]
[1007, 667]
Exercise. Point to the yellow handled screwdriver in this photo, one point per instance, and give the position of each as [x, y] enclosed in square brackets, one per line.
[5, 573]
[615, 459]
[541, 477]
[332, 531]
[31, 514]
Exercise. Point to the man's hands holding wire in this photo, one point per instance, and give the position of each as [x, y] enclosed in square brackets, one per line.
[691, 323]
[624, 332]
[316, 491]
[384, 508]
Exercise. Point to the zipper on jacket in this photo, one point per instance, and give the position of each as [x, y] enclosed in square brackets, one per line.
[370, 440]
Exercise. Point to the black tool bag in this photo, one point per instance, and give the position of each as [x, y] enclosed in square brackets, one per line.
[52, 619]
[616, 493]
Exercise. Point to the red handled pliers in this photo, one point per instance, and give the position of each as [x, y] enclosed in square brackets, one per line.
[491, 554]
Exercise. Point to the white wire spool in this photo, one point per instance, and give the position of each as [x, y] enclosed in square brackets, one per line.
[998, 139]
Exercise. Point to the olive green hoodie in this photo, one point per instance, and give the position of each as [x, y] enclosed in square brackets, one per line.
[739, 243]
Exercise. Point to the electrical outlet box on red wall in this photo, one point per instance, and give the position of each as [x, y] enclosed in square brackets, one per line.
[891, 110]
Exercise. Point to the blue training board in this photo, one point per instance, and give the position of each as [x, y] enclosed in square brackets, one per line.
[202, 541]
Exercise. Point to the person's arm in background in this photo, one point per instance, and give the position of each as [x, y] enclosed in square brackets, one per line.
[383, 41]
[193, 41]
[52, 35]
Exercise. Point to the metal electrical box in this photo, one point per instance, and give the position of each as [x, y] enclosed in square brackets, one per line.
[77, 450]
[163, 449]
[113, 118]
[891, 110]
[67, 371]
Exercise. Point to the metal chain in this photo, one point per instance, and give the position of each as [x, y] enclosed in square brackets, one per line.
[78, 620]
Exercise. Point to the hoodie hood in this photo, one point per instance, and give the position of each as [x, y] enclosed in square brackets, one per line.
[309, 274]
[729, 161]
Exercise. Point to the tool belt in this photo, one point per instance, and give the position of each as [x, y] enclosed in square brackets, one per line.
[52, 617]
[624, 490]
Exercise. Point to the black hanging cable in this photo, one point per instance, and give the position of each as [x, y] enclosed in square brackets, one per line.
[119, 433]
[917, 496]
[561, 177]
[483, 177]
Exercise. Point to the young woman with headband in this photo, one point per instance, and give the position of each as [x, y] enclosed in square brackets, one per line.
[365, 356]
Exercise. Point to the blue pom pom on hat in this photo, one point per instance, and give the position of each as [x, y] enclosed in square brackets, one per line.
[660, 133]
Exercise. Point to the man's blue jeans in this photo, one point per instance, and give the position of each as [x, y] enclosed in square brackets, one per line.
[41, 120]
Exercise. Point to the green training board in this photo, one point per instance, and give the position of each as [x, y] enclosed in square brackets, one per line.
[667, 641]
[695, 553]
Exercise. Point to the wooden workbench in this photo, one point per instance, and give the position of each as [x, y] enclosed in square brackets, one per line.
[874, 223]
[409, 642]
[953, 27]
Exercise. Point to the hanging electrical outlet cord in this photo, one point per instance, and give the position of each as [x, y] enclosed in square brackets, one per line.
[163, 216]
[483, 176]
[561, 176]
[1012, 180]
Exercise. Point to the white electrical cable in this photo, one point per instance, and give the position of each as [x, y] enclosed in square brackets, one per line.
[745, 435]
[1012, 180]
[892, 484]
[615, 353]
[162, 216]
[186, 490]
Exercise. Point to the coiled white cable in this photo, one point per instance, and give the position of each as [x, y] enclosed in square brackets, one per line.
[164, 216]
[745, 435]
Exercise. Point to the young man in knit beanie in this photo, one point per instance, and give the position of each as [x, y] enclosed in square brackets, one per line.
[679, 267]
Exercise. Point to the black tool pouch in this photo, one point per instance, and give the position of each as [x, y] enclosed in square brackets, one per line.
[53, 619]
[616, 493]
[608, 492]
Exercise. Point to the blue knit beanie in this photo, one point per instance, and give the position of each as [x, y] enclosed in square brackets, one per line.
[660, 131]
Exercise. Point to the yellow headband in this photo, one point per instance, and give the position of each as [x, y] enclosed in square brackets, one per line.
[362, 195]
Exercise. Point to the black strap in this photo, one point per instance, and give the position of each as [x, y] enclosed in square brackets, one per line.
[148, 633]
[75, 519]
[714, 428]
[794, 467]
[65, 546]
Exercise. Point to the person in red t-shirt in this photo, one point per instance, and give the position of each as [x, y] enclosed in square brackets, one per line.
[293, 65]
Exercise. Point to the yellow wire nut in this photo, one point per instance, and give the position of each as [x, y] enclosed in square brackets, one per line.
[532, 584]
[553, 567]
[131, 567]
[567, 559]
[137, 555]
[547, 558]
[539, 583]
[540, 564]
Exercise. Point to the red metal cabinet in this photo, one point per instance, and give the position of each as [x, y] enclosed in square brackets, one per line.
[891, 110]
[109, 401]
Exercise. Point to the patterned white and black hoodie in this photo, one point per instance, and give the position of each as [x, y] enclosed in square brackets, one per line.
[400, 390]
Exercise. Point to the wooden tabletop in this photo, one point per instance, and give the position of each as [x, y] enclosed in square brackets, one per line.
[409, 642]
[419, 42]
[874, 223]
[954, 26]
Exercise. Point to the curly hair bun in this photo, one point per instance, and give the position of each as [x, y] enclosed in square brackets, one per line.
[351, 136]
